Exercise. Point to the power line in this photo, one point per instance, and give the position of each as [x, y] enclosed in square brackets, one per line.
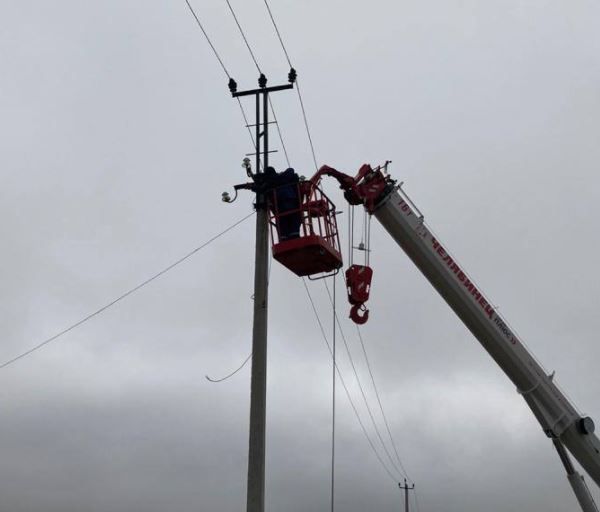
[253, 56]
[287, 158]
[416, 499]
[362, 391]
[287, 56]
[306, 125]
[199, 23]
[387, 426]
[333, 366]
[124, 295]
[247, 125]
[343, 383]
[243, 36]
[310, 141]
[207, 38]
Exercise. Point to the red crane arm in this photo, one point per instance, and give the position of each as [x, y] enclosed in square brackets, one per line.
[364, 188]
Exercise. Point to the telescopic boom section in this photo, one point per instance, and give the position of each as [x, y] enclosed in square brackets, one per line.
[402, 220]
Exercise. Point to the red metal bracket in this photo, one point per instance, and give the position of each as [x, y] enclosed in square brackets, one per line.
[364, 188]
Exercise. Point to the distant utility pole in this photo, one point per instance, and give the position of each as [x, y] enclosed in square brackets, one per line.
[258, 385]
[406, 488]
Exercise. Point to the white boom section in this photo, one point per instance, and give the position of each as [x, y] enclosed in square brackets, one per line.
[557, 416]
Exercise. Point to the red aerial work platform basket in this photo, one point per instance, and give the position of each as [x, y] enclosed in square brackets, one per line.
[304, 229]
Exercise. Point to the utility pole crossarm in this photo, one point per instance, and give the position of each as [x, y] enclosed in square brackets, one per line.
[266, 89]
[406, 488]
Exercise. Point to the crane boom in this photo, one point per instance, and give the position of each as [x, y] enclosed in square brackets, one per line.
[399, 216]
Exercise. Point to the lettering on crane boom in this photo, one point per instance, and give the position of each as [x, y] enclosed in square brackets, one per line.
[463, 279]
[472, 289]
[563, 419]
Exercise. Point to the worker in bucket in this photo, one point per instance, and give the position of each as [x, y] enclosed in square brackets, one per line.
[287, 198]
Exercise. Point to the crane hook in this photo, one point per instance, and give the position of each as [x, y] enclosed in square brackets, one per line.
[359, 314]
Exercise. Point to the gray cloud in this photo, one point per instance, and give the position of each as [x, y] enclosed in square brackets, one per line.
[117, 138]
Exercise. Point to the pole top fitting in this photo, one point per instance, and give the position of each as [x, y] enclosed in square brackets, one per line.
[292, 75]
[262, 81]
[248, 166]
[232, 86]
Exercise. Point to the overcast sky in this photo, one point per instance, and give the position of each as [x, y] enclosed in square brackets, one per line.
[117, 137]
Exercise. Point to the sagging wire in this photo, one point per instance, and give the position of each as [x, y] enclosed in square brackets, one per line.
[250, 356]
[124, 295]
[214, 381]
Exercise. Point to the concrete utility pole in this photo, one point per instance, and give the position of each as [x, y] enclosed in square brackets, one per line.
[406, 488]
[258, 385]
